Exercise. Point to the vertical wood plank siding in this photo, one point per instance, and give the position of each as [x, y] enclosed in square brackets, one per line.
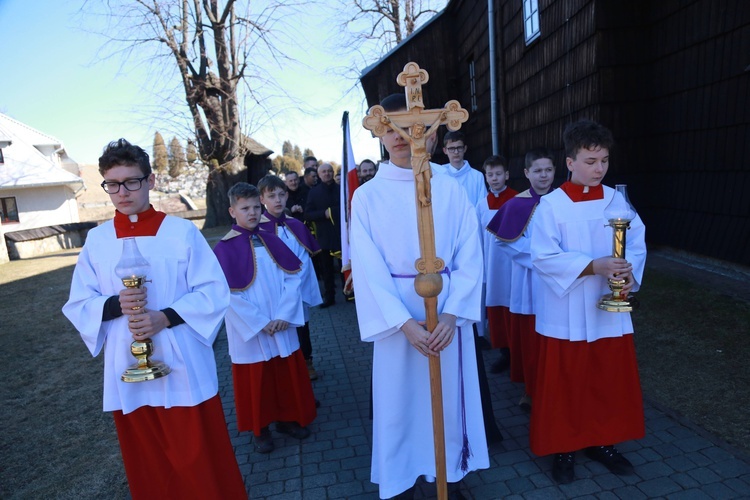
[668, 77]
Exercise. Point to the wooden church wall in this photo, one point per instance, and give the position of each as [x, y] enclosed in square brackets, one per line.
[671, 79]
[682, 120]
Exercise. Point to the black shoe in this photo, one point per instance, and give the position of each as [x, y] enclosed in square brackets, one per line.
[292, 429]
[264, 442]
[483, 343]
[327, 303]
[609, 457]
[500, 365]
[563, 468]
[493, 436]
[525, 403]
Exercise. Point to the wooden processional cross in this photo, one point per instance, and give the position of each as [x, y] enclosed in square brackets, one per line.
[415, 125]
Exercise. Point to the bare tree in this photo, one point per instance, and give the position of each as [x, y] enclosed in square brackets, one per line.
[215, 49]
[385, 23]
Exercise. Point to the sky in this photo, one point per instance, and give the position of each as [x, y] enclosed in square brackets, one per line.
[54, 80]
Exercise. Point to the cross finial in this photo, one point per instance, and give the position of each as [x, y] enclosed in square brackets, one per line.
[412, 78]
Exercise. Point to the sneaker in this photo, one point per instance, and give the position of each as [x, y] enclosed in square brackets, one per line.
[264, 442]
[292, 429]
[612, 459]
[311, 370]
[562, 468]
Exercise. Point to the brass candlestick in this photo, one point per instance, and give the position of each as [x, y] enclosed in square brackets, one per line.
[619, 213]
[132, 270]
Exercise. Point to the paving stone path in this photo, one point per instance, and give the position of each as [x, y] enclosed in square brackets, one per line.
[675, 460]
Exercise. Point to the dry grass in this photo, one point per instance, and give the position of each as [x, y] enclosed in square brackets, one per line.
[693, 349]
[57, 443]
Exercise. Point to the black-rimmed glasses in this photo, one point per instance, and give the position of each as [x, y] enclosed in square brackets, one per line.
[457, 149]
[112, 187]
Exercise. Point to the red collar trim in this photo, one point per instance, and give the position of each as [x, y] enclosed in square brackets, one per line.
[148, 223]
[576, 192]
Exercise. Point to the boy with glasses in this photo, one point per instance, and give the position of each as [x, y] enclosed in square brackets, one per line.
[454, 146]
[181, 312]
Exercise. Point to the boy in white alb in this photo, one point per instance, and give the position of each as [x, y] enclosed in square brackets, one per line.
[181, 311]
[511, 226]
[385, 246]
[588, 393]
[454, 146]
[271, 382]
[273, 195]
[496, 266]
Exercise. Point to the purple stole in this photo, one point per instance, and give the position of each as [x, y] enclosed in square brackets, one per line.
[303, 235]
[511, 220]
[236, 254]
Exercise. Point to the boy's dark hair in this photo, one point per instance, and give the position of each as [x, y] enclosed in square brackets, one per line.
[454, 136]
[271, 182]
[495, 161]
[586, 134]
[309, 170]
[394, 102]
[121, 152]
[290, 173]
[537, 154]
[309, 158]
[242, 191]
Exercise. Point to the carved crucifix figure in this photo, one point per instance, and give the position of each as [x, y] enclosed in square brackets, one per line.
[412, 125]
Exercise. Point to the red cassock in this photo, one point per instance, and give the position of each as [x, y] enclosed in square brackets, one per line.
[172, 431]
[587, 390]
[274, 390]
[606, 404]
[498, 318]
[180, 452]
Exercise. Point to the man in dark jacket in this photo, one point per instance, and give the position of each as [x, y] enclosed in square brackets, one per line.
[297, 199]
[309, 175]
[323, 209]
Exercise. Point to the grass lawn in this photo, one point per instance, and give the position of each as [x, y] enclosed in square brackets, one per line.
[693, 353]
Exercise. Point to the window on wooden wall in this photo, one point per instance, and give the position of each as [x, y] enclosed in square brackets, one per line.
[8, 210]
[473, 85]
[531, 20]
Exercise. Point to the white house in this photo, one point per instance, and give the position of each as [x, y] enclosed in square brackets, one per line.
[38, 180]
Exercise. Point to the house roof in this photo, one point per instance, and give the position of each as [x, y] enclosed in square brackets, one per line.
[254, 147]
[25, 165]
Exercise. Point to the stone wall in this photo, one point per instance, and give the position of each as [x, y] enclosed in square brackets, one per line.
[191, 181]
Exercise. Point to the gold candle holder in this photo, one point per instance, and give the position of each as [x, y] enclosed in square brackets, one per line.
[132, 270]
[619, 213]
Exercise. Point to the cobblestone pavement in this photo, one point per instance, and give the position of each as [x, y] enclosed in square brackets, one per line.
[675, 460]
